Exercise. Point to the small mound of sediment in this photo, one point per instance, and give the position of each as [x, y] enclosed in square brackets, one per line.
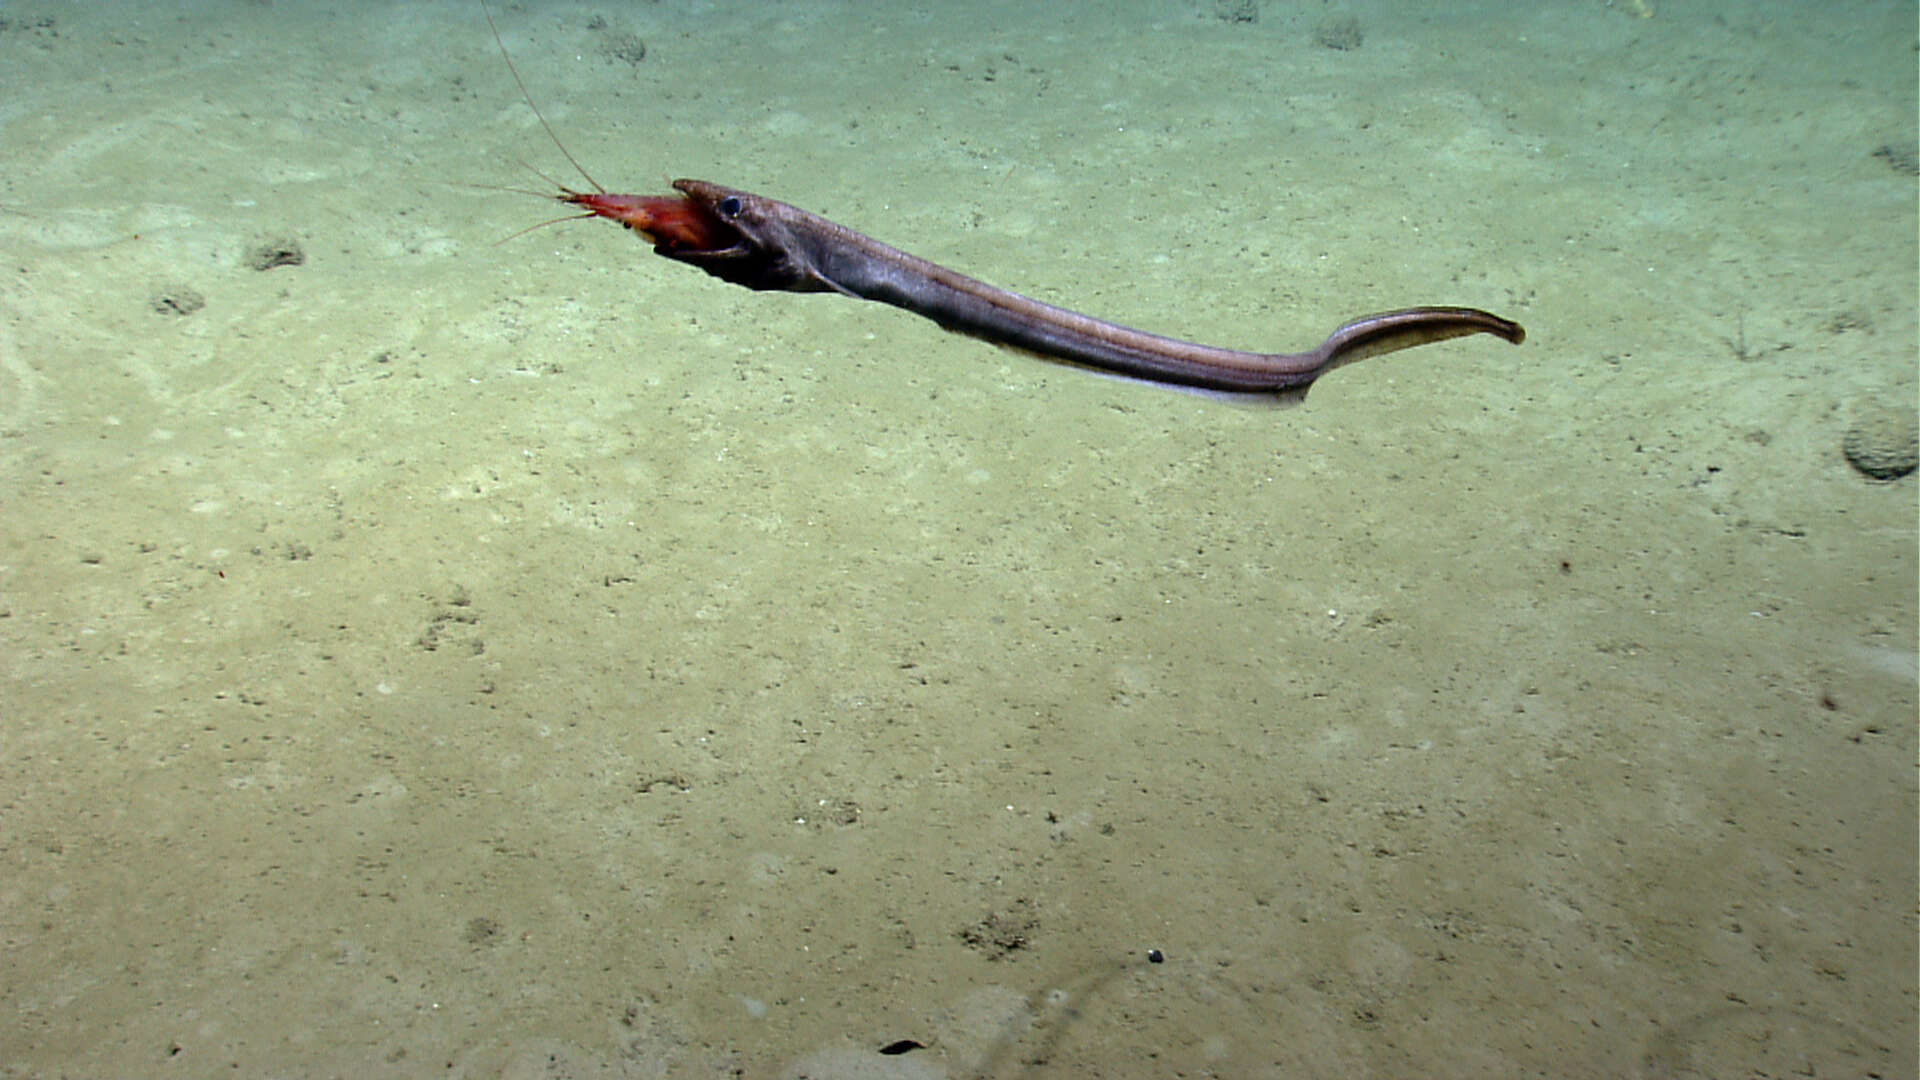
[1884, 440]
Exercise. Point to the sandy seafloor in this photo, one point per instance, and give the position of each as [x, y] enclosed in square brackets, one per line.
[467, 658]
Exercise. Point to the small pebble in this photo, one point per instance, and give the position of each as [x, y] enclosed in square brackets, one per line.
[1341, 34]
[177, 300]
[280, 251]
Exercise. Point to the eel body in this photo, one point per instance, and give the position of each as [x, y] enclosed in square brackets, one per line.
[766, 244]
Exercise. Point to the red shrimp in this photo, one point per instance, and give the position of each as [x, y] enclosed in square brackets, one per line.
[670, 222]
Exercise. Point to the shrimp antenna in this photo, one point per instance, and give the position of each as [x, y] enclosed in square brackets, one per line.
[521, 83]
[542, 225]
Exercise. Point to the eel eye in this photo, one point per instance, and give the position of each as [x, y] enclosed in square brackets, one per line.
[730, 206]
